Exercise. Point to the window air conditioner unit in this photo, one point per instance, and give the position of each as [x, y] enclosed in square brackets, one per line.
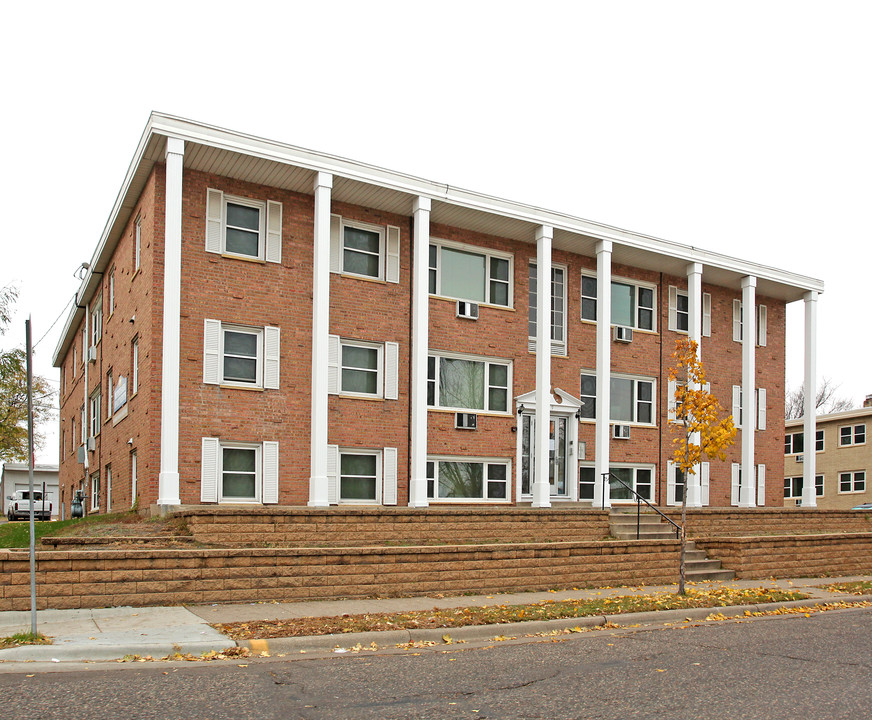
[465, 421]
[621, 432]
[623, 334]
[800, 458]
[92, 353]
[467, 310]
[92, 443]
[798, 502]
[80, 454]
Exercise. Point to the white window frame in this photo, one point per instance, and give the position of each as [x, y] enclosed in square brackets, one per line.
[791, 482]
[635, 467]
[853, 479]
[378, 476]
[111, 292]
[622, 376]
[739, 323]
[96, 324]
[487, 254]
[637, 285]
[258, 472]
[852, 438]
[134, 366]
[382, 247]
[432, 475]
[134, 470]
[675, 314]
[242, 329]
[558, 347]
[110, 393]
[85, 343]
[137, 243]
[268, 355]
[790, 442]
[258, 205]
[488, 362]
[109, 487]
[94, 403]
[95, 491]
[379, 371]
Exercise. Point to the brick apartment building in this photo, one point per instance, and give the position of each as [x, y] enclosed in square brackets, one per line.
[265, 324]
[842, 458]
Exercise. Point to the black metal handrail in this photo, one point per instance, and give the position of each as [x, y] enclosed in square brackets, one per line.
[639, 501]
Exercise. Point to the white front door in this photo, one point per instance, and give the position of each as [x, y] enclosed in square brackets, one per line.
[557, 456]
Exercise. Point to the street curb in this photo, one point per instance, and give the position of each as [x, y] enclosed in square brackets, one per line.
[478, 633]
[99, 653]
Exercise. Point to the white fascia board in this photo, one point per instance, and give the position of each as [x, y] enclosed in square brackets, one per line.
[838, 417]
[370, 174]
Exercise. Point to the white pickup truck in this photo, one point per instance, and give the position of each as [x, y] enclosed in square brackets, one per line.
[19, 506]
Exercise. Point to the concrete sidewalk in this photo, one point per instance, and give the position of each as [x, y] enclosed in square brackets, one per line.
[112, 633]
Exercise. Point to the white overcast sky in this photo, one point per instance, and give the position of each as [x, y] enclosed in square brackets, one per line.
[739, 127]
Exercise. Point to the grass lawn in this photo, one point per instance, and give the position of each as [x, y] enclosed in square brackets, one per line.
[863, 587]
[17, 534]
[23, 638]
[496, 614]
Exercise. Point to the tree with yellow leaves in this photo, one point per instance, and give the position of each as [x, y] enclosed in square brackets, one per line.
[698, 426]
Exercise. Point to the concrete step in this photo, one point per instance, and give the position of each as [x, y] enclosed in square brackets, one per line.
[643, 534]
[702, 565]
[697, 576]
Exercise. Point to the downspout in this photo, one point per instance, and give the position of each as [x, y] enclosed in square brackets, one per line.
[663, 424]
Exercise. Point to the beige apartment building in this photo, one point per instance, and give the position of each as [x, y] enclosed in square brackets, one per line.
[843, 457]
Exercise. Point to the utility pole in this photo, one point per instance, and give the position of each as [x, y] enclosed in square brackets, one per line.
[30, 477]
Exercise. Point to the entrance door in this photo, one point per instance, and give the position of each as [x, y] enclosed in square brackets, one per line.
[558, 452]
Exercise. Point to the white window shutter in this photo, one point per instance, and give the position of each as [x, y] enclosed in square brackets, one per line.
[392, 270]
[707, 314]
[214, 220]
[209, 470]
[761, 325]
[670, 482]
[761, 484]
[734, 484]
[389, 476]
[336, 243]
[392, 370]
[737, 406]
[270, 472]
[273, 231]
[737, 320]
[673, 307]
[212, 352]
[333, 351]
[333, 474]
[704, 474]
[670, 400]
[271, 355]
[761, 408]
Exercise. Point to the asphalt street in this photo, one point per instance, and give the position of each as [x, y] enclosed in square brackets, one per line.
[774, 667]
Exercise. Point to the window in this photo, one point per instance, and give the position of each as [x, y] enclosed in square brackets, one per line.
[682, 311]
[632, 399]
[359, 476]
[119, 398]
[84, 349]
[243, 227]
[133, 476]
[558, 309]
[638, 478]
[134, 366]
[852, 482]
[110, 390]
[240, 356]
[137, 243]
[361, 367]
[852, 435]
[95, 491]
[467, 273]
[467, 479]
[108, 488]
[795, 442]
[95, 414]
[96, 322]
[738, 323]
[111, 291]
[83, 423]
[239, 472]
[466, 384]
[632, 303]
[793, 487]
[363, 249]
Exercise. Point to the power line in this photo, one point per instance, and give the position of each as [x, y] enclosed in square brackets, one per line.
[53, 324]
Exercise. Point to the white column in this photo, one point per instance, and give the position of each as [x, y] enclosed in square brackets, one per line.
[320, 332]
[168, 480]
[542, 464]
[420, 349]
[809, 496]
[601, 493]
[694, 327]
[748, 491]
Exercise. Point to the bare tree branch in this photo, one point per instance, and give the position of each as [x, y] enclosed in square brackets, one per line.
[826, 401]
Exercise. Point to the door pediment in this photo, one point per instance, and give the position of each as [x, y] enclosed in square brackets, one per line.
[562, 403]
